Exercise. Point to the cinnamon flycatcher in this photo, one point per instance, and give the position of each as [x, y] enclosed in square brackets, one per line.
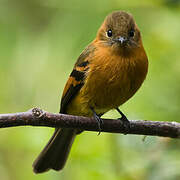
[107, 73]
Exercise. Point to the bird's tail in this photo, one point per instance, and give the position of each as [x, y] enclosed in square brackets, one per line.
[55, 153]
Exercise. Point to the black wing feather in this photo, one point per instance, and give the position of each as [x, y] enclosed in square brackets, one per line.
[79, 76]
[71, 92]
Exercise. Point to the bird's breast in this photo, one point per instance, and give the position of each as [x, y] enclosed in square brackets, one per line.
[110, 81]
[113, 79]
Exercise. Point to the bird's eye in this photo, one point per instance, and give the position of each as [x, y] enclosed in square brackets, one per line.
[109, 33]
[131, 33]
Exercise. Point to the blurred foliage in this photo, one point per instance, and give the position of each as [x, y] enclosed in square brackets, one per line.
[39, 43]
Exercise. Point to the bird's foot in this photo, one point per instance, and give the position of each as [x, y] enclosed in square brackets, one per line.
[98, 119]
[126, 123]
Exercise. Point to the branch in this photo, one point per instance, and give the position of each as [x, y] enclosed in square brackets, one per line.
[38, 117]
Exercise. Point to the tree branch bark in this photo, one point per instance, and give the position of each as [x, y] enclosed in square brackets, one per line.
[38, 117]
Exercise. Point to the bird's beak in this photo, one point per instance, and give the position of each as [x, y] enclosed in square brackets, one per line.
[121, 39]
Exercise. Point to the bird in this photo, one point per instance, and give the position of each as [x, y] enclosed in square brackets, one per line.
[107, 73]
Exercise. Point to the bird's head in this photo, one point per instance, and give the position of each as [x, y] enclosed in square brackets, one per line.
[120, 32]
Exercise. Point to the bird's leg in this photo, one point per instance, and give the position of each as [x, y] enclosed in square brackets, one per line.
[98, 119]
[125, 121]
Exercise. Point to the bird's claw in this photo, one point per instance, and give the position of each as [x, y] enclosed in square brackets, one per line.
[99, 122]
[98, 119]
[126, 124]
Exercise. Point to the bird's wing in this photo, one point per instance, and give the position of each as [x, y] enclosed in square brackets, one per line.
[76, 78]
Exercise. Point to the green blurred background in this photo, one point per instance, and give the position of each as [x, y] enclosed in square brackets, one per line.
[39, 43]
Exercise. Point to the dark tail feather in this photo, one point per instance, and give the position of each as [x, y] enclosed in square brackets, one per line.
[55, 153]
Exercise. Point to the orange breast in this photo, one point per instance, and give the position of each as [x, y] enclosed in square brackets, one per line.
[111, 81]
